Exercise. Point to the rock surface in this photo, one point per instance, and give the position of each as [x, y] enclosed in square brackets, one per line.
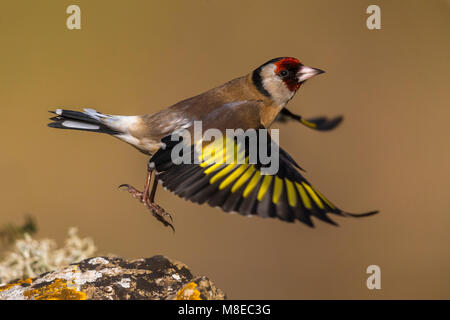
[113, 278]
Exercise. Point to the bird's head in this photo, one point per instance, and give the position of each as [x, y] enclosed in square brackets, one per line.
[280, 78]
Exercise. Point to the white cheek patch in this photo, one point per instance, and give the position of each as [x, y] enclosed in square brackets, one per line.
[275, 86]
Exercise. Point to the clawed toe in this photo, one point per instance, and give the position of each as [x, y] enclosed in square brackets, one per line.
[162, 220]
[157, 211]
[134, 192]
[124, 185]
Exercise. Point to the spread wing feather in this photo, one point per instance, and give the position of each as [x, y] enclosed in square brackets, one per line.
[241, 186]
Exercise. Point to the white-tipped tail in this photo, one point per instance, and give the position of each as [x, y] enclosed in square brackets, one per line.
[89, 120]
[79, 125]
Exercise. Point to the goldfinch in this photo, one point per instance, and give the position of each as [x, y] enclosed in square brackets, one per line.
[250, 102]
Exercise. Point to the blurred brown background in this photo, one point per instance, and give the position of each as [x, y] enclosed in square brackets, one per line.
[132, 57]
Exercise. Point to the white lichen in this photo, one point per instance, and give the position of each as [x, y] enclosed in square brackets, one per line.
[125, 282]
[72, 275]
[29, 257]
[98, 260]
[13, 293]
[176, 277]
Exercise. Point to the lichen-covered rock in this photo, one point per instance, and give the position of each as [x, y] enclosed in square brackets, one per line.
[113, 278]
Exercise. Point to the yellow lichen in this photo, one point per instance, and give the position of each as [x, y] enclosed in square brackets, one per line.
[57, 290]
[13, 284]
[188, 292]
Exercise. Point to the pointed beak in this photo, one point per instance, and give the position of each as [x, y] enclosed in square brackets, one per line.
[306, 73]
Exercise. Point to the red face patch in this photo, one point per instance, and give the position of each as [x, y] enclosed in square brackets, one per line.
[287, 63]
[291, 65]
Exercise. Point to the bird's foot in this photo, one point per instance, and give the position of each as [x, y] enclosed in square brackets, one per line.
[160, 214]
[135, 193]
[157, 211]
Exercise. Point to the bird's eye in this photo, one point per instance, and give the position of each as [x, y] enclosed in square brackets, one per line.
[283, 73]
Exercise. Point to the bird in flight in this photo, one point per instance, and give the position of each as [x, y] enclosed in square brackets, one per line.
[250, 102]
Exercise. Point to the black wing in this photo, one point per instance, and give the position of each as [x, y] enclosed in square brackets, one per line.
[241, 186]
[317, 123]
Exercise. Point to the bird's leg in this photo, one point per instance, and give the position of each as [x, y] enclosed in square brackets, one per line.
[147, 198]
[150, 201]
[135, 192]
[151, 197]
